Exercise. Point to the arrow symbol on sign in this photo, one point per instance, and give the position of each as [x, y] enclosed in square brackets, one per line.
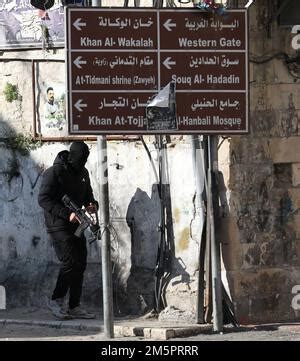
[168, 25]
[78, 105]
[167, 62]
[78, 24]
[78, 62]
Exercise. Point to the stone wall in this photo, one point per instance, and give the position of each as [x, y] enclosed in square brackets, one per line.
[262, 246]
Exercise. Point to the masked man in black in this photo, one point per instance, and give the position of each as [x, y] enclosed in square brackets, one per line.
[68, 175]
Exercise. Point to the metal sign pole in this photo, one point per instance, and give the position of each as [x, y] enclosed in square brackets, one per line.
[105, 241]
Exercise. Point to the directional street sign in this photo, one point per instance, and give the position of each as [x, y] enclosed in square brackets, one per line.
[111, 71]
[118, 59]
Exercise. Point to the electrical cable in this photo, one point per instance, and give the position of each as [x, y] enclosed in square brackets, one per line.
[289, 61]
[150, 158]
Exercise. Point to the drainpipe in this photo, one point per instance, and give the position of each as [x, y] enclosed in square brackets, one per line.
[215, 244]
[200, 176]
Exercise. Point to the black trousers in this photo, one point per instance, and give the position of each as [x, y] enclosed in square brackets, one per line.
[72, 253]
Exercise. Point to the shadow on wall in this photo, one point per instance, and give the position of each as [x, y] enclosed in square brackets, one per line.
[23, 271]
[143, 218]
[28, 265]
[229, 316]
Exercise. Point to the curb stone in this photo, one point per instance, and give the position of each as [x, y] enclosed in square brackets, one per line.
[161, 333]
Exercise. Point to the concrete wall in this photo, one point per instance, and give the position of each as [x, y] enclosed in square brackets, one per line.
[28, 266]
[28, 263]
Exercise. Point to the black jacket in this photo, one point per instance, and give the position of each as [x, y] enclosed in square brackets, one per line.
[58, 180]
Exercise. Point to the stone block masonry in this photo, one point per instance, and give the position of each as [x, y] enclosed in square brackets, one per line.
[261, 244]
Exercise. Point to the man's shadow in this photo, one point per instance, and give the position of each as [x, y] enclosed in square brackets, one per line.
[144, 218]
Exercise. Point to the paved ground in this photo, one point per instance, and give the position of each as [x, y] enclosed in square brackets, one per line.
[35, 324]
[261, 333]
[37, 333]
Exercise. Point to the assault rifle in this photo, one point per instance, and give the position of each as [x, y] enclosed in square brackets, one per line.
[85, 219]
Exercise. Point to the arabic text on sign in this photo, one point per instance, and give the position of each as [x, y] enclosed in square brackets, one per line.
[123, 61]
[194, 25]
[125, 23]
[214, 103]
[122, 102]
[223, 61]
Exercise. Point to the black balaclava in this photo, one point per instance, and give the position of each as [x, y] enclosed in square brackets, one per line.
[78, 155]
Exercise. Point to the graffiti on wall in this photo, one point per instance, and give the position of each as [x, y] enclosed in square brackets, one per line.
[11, 180]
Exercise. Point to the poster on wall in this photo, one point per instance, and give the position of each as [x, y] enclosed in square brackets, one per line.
[53, 117]
[50, 95]
[24, 26]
